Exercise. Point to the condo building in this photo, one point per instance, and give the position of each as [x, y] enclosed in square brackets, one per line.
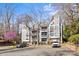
[43, 33]
[55, 30]
[25, 32]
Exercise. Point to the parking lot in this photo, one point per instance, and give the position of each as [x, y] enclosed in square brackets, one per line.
[39, 51]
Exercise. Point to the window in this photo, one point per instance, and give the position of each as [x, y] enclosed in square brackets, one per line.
[51, 28]
[51, 33]
[57, 30]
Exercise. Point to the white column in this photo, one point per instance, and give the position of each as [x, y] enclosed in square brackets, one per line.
[61, 32]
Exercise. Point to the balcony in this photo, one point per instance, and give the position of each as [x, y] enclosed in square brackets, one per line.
[44, 36]
[43, 28]
[44, 39]
[34, 34]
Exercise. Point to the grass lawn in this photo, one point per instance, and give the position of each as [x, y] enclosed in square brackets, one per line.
[71, 46]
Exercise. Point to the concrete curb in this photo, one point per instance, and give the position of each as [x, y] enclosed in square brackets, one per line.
[7, 48]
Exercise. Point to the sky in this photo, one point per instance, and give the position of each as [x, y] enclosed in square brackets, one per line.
[20, 8]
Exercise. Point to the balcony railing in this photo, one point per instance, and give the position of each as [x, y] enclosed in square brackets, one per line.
[44, 36]
[43, 29]
[34, 34]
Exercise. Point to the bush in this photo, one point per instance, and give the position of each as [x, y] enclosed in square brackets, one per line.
[74, 39]
[66, 33]
[10, 35]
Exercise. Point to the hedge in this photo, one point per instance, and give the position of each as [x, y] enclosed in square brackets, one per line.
[74, 39]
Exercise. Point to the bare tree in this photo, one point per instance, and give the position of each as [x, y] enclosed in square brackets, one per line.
[70, 11]
[7, 14]
[25, 18]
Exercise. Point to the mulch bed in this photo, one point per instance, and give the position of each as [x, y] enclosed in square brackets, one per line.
[5, 43]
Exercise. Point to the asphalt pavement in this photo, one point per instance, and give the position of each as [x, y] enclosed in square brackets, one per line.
[38, 52]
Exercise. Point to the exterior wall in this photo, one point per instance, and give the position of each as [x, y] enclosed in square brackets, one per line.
[34, 33]
[43, 33]
[54, 28]
[24, 31]
[34, 36]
